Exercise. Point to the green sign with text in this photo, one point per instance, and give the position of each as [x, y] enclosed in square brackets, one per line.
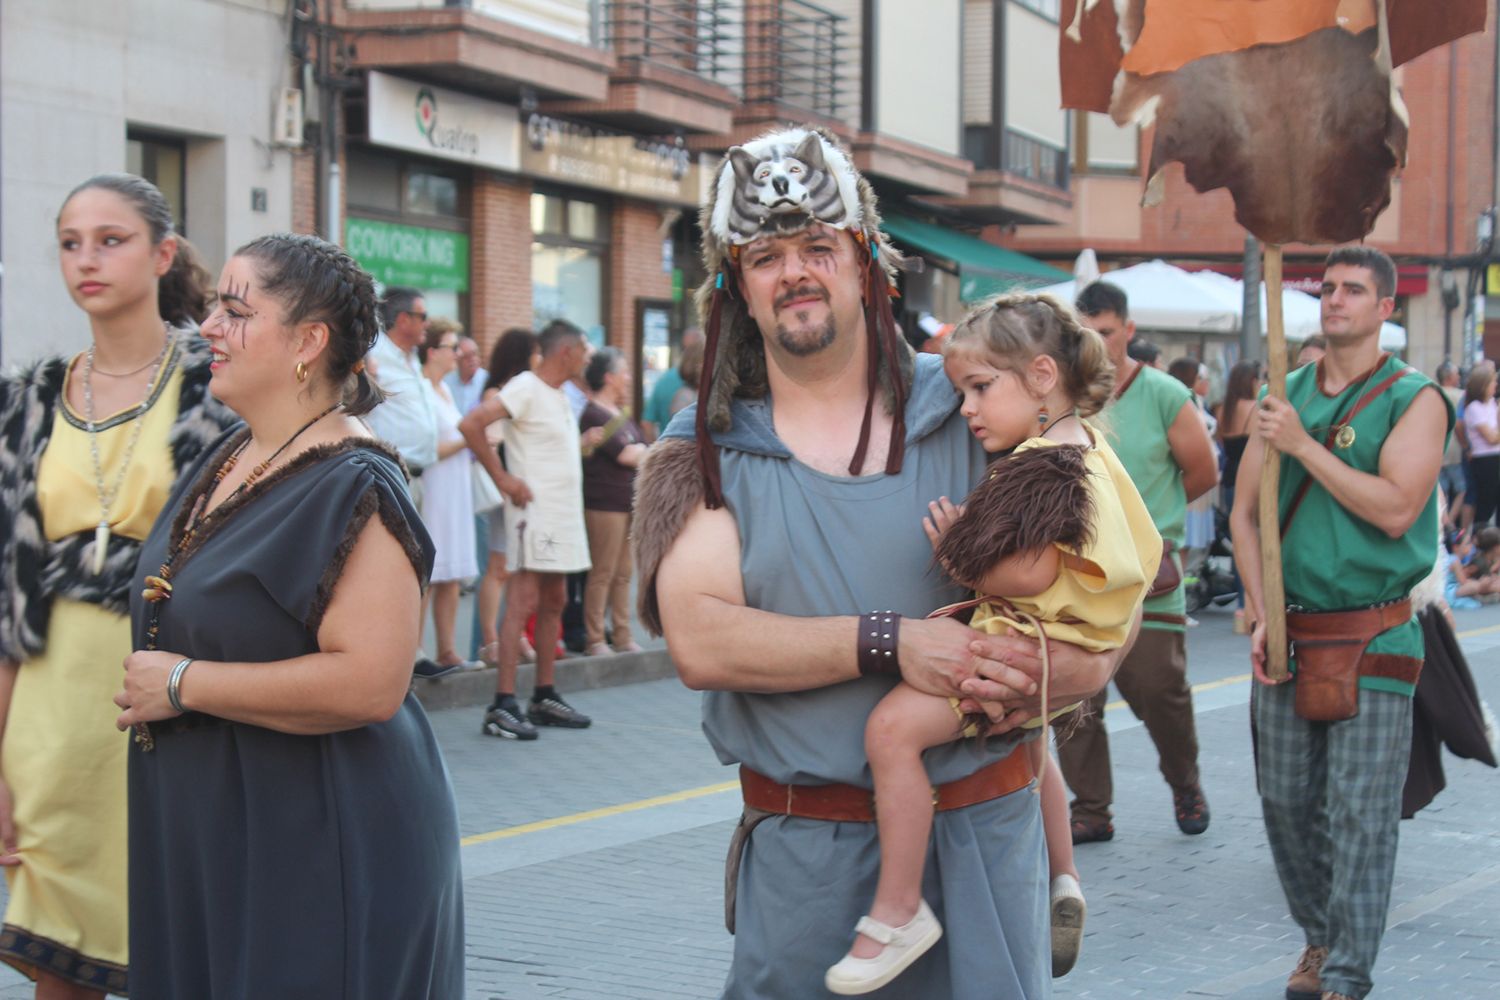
[427, 259]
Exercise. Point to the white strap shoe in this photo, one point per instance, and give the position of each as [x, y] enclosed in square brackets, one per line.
[903, 946]
[1068, 912]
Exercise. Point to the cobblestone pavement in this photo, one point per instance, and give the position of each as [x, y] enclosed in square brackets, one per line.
[593, 859]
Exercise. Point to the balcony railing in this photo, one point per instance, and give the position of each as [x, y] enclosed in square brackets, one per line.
[691, 35]
[1035, 160]
[794, 54]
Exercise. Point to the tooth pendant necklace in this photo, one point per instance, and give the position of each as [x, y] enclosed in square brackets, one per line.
[107, 495]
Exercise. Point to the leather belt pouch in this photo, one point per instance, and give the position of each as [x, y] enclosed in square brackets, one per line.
[1168, 573]
[1328, 647]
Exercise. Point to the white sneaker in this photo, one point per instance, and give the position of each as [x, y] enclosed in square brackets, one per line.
[903, 946]
[1068, 911]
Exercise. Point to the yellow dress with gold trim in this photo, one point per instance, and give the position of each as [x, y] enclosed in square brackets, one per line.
[61, 754]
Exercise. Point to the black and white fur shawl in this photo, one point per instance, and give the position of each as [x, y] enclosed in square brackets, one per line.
[34, 570]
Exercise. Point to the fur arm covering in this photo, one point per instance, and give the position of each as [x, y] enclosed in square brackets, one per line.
[34, 570]
[1030, 499]
[668, 488]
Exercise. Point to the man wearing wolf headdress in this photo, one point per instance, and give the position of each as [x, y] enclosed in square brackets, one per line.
[769, 557]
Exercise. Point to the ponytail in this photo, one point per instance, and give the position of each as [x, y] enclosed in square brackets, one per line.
[184, 292]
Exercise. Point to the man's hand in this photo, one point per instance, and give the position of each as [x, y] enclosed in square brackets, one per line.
[1258, 657]
[1277, 424]
[1009, 671]
[515, 487]
[942, 514]
[935, 655]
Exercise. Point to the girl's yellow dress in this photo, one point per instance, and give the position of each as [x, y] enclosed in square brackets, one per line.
[61, 755]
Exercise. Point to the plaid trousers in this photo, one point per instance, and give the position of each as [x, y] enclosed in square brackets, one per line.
[1331, 796]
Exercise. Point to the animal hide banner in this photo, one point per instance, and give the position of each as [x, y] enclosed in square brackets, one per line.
[1287, 103]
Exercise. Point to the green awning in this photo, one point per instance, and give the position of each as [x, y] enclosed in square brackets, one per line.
[984, 269]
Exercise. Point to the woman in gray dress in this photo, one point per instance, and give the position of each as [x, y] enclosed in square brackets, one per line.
[292, 826]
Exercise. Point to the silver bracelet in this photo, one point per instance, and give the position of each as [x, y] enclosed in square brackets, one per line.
[174, 684]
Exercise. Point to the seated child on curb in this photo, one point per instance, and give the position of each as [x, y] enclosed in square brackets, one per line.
[1056, 535]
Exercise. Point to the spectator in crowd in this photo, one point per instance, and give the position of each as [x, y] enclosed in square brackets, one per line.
[608, 492]
[692, 371]
[515, 352]
[658, 407]
[1461, 432]
[1162, 444]
[1145, 352]
[545, 535]
[407, 419]
[1480, 424]
[1312, 350]
[447, 499]
[1200, 512]
[1245, 380]
[466, 381]
[1451, 478]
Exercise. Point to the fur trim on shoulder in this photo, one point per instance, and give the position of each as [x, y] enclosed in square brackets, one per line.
[373, 501]
[668, 488]
[1028, 500]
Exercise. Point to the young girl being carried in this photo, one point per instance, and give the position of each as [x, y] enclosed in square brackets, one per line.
[1056, 541]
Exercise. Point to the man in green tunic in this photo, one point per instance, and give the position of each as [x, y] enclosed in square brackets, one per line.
[1361, 440]
[1155, 429]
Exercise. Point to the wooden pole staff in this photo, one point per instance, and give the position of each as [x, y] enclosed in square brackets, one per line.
[1272, 588]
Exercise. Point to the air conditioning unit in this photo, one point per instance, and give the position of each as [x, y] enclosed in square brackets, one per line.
[287, 128]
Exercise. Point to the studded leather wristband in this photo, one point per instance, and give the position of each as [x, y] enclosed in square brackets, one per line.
[879, 633]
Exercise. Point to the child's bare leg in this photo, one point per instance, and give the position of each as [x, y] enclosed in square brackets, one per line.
[905, 723]
[1055, 821]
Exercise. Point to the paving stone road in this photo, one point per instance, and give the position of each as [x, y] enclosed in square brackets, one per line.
[593, 859]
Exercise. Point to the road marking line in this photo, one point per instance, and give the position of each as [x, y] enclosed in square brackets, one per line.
[1470, 633]
[1197, 689]
[582, 817]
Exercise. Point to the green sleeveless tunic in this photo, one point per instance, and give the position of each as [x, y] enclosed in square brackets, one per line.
[1332, 560]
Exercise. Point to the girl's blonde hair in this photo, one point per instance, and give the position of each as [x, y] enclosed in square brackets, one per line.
[1009, 331]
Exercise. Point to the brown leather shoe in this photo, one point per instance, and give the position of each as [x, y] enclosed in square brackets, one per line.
[1306, 982]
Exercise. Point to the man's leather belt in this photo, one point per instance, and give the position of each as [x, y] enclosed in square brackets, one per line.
[852, 804]
[1365, 623]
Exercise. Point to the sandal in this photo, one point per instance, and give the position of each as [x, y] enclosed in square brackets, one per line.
[903, 946]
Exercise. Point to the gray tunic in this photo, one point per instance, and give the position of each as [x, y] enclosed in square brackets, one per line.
[815, 545]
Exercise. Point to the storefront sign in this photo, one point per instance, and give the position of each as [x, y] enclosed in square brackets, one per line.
[429, 259]
[439, 122]
[1411, 279]
[652, 169]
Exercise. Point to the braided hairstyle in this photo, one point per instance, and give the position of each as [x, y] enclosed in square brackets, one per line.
[1008, 332]
[184, 292]
[316, 281]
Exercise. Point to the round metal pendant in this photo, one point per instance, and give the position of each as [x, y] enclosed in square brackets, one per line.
[1345, 437]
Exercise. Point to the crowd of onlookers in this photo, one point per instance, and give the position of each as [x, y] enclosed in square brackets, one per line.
[435, 376]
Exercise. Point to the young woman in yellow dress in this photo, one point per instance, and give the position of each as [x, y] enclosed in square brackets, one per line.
[90, 447]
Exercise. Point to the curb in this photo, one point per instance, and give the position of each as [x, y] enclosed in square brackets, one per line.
[471, 688]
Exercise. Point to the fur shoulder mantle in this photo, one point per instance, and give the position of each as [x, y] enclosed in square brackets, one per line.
[34, 570]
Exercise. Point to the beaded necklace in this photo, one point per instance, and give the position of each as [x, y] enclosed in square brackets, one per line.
[159, 586]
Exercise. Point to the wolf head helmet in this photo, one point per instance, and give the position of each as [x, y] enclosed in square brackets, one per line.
[779, 184]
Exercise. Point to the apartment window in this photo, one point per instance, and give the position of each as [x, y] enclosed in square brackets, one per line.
[162, 160]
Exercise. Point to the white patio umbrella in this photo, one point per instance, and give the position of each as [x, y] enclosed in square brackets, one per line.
[1163, 297]
[1302, 312]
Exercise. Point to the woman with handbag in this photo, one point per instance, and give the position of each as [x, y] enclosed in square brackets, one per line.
[447, 498]
[292, 826]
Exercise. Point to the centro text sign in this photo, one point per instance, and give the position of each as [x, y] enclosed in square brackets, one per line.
[436, 121]
[428, 259]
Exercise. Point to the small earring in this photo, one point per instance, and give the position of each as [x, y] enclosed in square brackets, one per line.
[301, 371]
[1041, 417]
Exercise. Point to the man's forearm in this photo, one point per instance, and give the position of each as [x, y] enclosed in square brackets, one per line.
[718, 646]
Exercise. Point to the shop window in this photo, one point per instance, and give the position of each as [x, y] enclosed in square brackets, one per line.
[431, 194]
[374, 182]
[163, 162]
[394, 187]
[569, 240]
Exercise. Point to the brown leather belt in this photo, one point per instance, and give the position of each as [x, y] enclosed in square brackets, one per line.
[1366, 623]
[852, 804]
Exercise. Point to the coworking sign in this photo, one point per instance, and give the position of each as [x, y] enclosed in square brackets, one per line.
[429, 259]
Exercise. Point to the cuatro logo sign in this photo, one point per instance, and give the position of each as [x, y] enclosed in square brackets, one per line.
[455, 138]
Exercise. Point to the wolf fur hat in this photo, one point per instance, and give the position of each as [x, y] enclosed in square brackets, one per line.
[779, 184]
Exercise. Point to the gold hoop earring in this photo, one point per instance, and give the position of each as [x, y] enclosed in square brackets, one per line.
[301, 371]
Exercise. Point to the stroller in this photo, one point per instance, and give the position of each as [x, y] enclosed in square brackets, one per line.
[1213, 582]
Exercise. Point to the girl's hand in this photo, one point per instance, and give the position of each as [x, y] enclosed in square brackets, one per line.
[144, 697]
[941, 515]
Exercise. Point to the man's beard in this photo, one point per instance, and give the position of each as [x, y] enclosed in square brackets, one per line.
[806, 341]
